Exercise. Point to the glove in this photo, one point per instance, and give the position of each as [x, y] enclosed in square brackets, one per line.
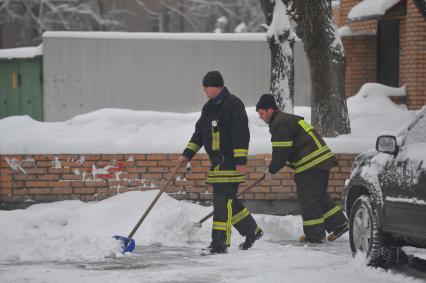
[268, 176]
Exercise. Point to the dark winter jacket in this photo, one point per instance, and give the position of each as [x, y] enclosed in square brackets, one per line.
[223, 131]
[298, 143]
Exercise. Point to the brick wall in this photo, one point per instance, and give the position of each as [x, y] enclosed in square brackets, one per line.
[360, 50]
[413, 56]
[336, 16]
[361, 61]
[26, 179]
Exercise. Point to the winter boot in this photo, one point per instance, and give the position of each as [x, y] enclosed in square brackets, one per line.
[250, 239]
[340, 230]
[215, 248]
[304, 239]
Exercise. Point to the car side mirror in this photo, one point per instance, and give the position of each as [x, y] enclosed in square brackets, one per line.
[387, 144]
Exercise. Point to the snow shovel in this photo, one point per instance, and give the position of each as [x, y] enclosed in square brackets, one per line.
[202, 220]
[127, 243]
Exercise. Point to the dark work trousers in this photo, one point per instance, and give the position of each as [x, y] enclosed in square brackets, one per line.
[319, 213]
[228, 211]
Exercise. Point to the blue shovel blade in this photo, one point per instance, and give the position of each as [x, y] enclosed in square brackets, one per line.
[127, 245]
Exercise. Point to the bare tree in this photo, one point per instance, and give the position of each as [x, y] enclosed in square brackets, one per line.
[36, 16]
[326, 59]
[202, 15]
[281, 40]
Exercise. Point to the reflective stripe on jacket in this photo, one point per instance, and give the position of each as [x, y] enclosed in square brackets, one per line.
[297, 143]
[223, 131]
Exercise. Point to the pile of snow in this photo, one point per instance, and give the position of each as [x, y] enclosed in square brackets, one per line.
[22, 52]
[371, 113]
[73, 230]
[369, 8]
[345, 31]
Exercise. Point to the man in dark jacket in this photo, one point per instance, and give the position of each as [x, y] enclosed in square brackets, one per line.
[297, 143]
[223, 131]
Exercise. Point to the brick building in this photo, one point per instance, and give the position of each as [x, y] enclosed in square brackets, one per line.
[386, 45]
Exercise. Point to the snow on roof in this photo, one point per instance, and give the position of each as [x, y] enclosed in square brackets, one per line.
[22, 52]
[158, 35]
[371, 8]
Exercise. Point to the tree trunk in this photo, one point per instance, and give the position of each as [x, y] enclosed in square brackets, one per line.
[282, 72]
[326, 59]
[282, 62]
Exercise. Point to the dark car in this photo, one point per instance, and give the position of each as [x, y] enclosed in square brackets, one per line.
[385, 196]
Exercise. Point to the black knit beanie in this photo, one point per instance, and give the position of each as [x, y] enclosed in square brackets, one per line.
[266, 101]
[213, 78]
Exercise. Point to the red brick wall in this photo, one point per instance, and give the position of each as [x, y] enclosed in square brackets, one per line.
[39, 178]
[361, 62]
[336, 16]
[413, 56]
[360, 50]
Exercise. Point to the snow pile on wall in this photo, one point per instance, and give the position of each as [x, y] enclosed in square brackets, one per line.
[126, 131]
[345, 31]
[372, 109]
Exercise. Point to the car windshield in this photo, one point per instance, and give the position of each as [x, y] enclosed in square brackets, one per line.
[416, 131]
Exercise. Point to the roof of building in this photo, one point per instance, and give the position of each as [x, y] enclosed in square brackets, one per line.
[370, 9]
[22, 52]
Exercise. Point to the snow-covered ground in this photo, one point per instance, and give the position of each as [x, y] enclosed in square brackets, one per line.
[125, 131]
[70, 241]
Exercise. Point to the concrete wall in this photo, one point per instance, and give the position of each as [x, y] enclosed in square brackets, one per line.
[87, 71]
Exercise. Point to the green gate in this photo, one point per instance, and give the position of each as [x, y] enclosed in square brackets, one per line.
[21, 91]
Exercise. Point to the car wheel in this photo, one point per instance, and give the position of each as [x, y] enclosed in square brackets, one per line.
[365, 235]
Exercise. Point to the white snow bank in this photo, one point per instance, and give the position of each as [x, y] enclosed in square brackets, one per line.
[73, 230]
[372, 113]
[369, 8]
[376, 88]
[126, 131]
[22, 52]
